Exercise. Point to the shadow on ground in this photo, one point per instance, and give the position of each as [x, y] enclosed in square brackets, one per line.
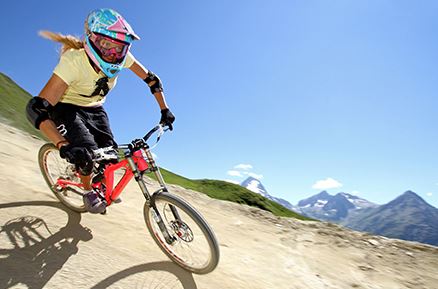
[178, 277]
[34, 253]
[31, 254]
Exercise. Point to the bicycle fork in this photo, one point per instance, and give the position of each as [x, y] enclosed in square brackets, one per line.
[157, 216]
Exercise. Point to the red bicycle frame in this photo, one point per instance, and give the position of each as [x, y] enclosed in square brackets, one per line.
[112, 192]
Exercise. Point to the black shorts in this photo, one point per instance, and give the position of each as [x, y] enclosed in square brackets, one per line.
[83, 126]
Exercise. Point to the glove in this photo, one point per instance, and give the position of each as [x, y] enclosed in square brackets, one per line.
[79, 156]
[167, 118]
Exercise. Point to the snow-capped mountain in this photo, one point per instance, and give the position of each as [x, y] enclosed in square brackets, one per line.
[256, 186]
[358, 203]
[327, 207]
[407, 217]
[322, 206]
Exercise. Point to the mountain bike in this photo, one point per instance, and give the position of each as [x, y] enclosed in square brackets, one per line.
[178, 229]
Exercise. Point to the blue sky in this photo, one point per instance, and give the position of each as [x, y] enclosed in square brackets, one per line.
[307, 95]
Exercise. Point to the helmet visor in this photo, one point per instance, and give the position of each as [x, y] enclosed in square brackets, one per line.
[111, 50]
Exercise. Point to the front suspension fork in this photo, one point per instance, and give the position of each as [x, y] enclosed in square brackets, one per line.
[149, 199]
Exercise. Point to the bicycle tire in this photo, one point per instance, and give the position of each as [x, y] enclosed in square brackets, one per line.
[52, 168]
[197, 224]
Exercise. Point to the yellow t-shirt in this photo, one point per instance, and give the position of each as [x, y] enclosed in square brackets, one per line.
[75, 69]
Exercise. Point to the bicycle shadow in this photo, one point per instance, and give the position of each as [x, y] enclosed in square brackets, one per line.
[37, 253]
[32, 258]
[158, 277]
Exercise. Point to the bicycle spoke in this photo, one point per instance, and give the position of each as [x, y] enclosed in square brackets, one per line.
[54, 168]
[189, 251]
[194, 247]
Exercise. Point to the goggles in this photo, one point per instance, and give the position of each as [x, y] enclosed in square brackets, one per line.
[109, 48]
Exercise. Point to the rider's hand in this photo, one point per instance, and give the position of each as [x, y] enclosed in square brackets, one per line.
[75, 155]
[167, 118]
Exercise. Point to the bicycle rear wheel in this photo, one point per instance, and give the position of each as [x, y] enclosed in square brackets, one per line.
[53, 168]
[194, 245]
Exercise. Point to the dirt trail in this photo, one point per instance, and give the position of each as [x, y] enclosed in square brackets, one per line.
[44, 245]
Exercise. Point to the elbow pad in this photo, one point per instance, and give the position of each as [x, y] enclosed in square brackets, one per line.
[37, 110]
[154, 82]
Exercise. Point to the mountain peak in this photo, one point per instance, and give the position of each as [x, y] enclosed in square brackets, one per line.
[410, 194]
[407, 217]
[409, 199]
[349, 196]
[254, 185]
[320, 199]
[324, 206]
[323, 194]
[250, 178]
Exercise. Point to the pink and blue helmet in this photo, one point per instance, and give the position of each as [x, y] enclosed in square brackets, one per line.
[108, 24]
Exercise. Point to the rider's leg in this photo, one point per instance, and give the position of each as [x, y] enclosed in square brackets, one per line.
[86, 181]
[100, 128]
[72, 123]
[97, 122]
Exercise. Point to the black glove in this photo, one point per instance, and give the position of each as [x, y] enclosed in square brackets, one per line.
[167, 118]
[79, 156]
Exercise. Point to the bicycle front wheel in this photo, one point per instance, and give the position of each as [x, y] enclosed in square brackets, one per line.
[54, 168]
[193, 244]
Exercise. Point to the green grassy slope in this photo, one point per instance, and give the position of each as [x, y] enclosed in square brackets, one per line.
[230, 192]
[13, 100]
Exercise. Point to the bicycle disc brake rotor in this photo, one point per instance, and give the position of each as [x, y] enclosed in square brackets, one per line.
[182, 230]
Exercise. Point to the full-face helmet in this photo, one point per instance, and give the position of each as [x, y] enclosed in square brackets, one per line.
[108, 37]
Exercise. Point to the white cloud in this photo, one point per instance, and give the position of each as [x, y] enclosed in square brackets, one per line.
[429, 194]
[233, 182]
[234, 174]
[244, 167]
[326, 184]
[355, 193]
[256, 176]
[242, 170]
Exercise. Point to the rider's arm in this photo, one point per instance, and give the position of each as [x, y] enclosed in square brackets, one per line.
[143, 73]
[52, 92]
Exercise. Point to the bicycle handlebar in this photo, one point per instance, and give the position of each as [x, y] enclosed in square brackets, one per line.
[109, 153]
[152, 131]
[161, 130]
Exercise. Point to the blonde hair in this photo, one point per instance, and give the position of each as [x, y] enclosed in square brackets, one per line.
[67, 41]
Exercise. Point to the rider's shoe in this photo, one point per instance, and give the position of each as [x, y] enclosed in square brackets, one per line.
[94, 202]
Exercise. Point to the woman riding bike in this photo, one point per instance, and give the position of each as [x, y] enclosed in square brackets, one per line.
[69, 110]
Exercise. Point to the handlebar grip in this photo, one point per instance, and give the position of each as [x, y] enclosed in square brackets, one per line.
[151, 132]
